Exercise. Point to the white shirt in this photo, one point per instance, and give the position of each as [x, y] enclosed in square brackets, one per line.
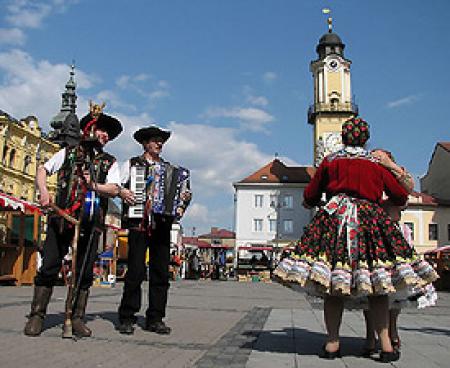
[56, 161]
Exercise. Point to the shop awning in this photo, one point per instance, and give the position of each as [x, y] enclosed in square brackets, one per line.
[215, 246]
[10, 203]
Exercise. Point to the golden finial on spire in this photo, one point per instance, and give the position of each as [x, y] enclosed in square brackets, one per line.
[329, 20]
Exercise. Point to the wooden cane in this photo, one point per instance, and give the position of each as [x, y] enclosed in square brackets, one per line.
[67, 327]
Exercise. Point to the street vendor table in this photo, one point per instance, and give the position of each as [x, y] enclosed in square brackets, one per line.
[18, 247]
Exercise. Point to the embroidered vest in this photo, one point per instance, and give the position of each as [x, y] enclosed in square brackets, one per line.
[69, 190]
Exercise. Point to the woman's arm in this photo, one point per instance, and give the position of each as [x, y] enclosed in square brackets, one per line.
[401, 174]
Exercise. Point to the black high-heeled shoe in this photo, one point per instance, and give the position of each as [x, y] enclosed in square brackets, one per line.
[389, 356]
[325, 354]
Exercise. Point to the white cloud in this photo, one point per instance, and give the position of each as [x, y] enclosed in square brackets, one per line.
[258, 100]
[198, 213]
[150, 91]
[252, 118]
[408, 100]
[215, 155]
[32, 87]
[27, 14]
[12, 36]
[269, 77]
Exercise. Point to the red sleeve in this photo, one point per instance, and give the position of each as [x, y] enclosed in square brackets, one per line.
[313, 192]
[396, 192]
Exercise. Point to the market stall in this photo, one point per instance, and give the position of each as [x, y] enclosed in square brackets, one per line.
[19, 240]
[254, 263]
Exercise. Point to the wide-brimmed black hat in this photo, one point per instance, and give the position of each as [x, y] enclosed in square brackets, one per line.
[144, 134]
[105, 122]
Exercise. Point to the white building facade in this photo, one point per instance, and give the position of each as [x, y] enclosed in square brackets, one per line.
[268, 206]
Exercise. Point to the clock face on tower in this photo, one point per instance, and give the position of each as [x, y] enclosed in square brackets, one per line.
[333, 64]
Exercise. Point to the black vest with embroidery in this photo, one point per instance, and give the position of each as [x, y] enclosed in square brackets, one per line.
[69, 191]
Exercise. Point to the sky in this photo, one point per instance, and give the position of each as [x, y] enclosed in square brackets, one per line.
[229, 78]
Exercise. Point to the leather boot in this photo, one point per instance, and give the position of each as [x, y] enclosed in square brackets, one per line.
[79, 328]
[41, 298]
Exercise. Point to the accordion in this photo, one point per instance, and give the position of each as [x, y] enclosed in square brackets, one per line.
[164, 183]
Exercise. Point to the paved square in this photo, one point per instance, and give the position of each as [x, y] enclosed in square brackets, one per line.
[214, 324]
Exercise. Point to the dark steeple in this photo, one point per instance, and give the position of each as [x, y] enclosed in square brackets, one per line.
[330, 43]
[65, 124]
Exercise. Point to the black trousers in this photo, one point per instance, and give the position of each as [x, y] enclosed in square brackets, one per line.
[56, 246]
[158, 244]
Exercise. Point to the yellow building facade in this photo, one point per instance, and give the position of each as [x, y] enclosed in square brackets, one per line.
[22, 148]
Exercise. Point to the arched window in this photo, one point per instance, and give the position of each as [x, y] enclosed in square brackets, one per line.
[12, 157]
[5, 155]
[26, 165]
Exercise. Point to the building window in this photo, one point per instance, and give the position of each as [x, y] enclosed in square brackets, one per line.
[433, 232]
[12, 157]
[411, 228]
[288, 201]
[288, 226]
[273, 225]
[257, 225]
[258, 200]
[26, 165]
[5, 155]
[273, 200]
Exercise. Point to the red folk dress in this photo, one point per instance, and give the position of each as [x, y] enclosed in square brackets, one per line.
[352, 247]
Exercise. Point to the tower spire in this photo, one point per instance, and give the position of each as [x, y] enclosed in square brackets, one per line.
[329, 20]
[65, 124]
[69, 97]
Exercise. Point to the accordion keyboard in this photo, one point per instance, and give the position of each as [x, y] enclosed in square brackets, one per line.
[137, 186]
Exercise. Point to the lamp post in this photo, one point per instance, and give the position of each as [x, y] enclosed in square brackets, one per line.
[276, 205]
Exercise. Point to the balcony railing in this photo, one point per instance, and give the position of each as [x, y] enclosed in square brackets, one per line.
[314, 109]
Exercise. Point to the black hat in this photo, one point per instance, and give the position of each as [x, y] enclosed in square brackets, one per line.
[105, 122]
[144, 134]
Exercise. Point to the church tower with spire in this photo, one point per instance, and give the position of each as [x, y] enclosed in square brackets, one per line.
[332, 94]
[66, 124]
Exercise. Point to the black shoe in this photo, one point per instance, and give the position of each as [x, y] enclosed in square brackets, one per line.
[126, 327]
[158, 327]
[386, 357]
[325, 354]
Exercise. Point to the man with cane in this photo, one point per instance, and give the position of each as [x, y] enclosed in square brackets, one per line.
[87, 176]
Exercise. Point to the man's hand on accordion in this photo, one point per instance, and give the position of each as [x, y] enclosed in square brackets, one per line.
[127, 196]
[186, 196]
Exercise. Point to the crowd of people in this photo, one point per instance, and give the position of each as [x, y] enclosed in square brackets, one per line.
[353, 253]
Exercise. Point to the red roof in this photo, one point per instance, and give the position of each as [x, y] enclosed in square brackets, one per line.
[445, 145]
[10, 203]
[425, 199]
[277, 172]
[219, 234]
[191, 240]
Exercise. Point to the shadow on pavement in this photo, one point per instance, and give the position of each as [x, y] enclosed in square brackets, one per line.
[299, 341]
[428, 330]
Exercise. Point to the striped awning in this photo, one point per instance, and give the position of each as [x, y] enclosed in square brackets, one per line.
[10, 203]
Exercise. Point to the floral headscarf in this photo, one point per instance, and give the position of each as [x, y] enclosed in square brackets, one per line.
[355, 132]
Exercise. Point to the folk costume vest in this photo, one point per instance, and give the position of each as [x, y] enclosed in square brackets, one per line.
[70, 190]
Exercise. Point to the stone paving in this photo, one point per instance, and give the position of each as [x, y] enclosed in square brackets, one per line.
[214, 324]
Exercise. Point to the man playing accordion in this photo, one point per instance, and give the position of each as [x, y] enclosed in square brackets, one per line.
[155, 194]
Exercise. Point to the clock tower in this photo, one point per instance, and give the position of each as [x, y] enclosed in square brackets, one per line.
[332, 94]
